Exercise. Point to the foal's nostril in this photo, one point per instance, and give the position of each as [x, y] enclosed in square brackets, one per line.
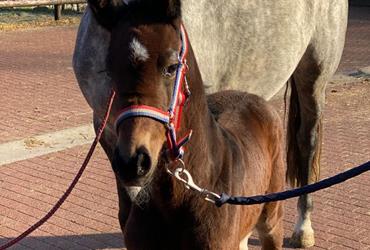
[130, 169]
[142, 161]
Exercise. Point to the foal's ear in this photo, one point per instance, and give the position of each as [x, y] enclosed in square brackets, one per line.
[107, 12]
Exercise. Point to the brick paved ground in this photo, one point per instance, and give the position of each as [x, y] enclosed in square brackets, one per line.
[39, 91]
[40, 95]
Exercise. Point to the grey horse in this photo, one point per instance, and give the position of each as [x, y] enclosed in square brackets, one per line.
[255, 46]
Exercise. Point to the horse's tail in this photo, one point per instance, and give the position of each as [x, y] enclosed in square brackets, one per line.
[296, 172]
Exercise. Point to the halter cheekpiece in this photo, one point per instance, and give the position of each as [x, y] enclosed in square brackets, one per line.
[172, 117]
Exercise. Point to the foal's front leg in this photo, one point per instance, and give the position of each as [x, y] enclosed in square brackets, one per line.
[244, 243]
[270, 226]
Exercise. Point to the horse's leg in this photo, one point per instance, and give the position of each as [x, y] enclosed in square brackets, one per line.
[304, 140]
[108, 142]
[309, 80]
[270, 226]
[305, 129]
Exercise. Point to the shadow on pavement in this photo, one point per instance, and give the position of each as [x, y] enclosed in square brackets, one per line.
[101, 238]
[85, 241]
[359, 13]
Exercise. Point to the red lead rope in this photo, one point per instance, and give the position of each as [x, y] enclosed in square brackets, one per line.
[73, 184]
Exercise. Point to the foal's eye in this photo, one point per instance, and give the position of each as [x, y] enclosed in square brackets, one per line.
[170, 70]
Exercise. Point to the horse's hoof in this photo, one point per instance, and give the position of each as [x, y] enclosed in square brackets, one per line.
[302, 239]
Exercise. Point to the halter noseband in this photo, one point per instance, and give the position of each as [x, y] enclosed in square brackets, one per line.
[172, 117]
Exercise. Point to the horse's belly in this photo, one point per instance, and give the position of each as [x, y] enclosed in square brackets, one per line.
[246, 45]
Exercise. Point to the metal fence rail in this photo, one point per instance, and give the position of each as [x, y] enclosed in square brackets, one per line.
[29, 3]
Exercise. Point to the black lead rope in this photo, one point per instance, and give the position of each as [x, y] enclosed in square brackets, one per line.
[294, 192]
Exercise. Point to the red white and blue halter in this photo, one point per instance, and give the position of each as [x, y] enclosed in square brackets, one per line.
[172, 117]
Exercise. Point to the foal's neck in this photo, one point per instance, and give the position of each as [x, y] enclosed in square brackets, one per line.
[206, 151]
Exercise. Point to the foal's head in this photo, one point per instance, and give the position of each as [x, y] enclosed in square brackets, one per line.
[142, 63]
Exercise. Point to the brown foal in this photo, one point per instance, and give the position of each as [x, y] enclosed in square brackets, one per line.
[236, 145]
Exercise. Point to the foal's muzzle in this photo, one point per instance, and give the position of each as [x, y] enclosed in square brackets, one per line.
[132, 171]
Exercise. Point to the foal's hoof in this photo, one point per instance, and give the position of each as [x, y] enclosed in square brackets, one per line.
[302, 239]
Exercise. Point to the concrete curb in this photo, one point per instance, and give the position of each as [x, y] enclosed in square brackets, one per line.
[44, 144]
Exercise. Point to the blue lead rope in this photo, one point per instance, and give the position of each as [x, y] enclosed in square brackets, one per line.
[294, 192]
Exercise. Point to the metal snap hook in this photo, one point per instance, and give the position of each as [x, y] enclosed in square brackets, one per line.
[185, 177]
